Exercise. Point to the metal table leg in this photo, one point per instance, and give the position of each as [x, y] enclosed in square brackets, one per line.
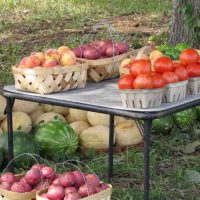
[147, 128]
[110, 157]
[9, 107]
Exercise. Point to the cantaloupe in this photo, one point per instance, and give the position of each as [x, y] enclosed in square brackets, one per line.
[46, 117]
[2, 107]
[127, 133]
[79, 127]
[24, 106]
[77, 115]
[21, 121]
[102, 119]
[36, 114]
[96, 137]
[57, 109]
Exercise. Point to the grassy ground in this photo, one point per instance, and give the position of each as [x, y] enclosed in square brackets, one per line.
[33, 25]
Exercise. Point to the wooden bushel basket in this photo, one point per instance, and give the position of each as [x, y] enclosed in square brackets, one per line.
[103, 195]
[48, 80]
[8, 195]
[103, 69]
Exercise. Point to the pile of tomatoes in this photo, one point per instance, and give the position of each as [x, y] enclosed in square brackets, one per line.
[146, 75]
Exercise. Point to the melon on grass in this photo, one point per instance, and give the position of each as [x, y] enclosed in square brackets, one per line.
[102, 119]
[96, 137]
[2, 107]
[127, 133]
[24, 106]
[77, 115]
[36, 114]
[57, 109]
[50, 116]
[79, 127]
[21, 121]
[57, 140]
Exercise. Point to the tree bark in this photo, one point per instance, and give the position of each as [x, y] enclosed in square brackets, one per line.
[180, 29]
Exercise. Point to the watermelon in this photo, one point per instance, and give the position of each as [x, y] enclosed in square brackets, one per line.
[23, 143]
[162, 125]
[185, 119]
[198, 111]
[57, 140]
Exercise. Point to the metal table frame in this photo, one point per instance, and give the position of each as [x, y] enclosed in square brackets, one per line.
[146, 116]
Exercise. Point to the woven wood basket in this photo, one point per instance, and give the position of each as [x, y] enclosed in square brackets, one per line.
[48, 80]
[103, 69]
[193, 86]
[137, 54]
[8, 195]
[103, 195]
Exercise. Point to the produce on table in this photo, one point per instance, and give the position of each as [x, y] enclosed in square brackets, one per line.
[77, 115]
[79, 127]
[36, 114]
[96, 137]
[57, 139]
[189, 56]
[101, 119]
[173, 52]
[162, 125]
[127, 133]
[23, 143]
[24, 106]
[62, 56]
[2, 107]
[100, 49]
[21, 121]
[185, 119]
[47, 117]
[57, 109]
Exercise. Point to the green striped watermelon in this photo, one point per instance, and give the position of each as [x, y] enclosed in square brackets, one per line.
[57, 140]
[162, 125]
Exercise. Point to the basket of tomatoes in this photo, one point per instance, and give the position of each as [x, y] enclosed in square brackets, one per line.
[156, 78]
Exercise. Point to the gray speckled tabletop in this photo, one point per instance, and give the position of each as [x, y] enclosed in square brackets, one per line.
[103, 94]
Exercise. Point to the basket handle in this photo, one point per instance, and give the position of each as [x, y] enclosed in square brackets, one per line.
[142, 51]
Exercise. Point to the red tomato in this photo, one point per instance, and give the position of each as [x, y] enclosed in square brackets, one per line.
[158, 81]
[143, 81]
[188, 56]
[176, 64]
[170, 77]
[181, 72]
[140, 67]
[125, 82]
[163, 64]
[193, 70]
[199, 60]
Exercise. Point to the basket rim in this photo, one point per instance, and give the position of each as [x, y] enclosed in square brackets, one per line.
[194, 79]
[180, 83]
[135, 91]
[38, 193]
[103, 61]
[49, 71]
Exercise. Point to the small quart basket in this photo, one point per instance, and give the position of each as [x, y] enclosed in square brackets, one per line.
[8, 195]
[193, 87]
[103, 69]
[103, 195]
[175, 92]
[48, 80]
[142, 98]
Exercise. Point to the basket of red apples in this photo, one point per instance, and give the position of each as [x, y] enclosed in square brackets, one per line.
[103, 57]
[51, 71]
[75, 185]
[25, 186]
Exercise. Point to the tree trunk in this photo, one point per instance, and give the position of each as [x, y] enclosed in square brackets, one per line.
[181, 30]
